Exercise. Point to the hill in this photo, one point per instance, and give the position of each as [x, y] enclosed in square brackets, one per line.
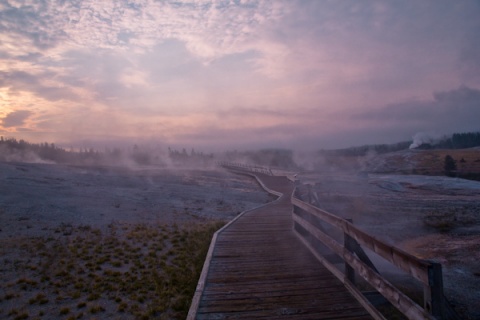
[426, 162]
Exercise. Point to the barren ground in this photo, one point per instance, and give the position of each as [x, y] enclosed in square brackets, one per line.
[103, 242]
[79, 242]
[430, 217]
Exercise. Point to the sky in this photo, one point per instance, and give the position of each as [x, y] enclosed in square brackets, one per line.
[241, 74]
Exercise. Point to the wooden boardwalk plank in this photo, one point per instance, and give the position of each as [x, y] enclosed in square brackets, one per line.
[260, 270]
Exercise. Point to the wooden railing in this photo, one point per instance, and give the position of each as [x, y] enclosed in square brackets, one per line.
[310, 223]
[245, 167]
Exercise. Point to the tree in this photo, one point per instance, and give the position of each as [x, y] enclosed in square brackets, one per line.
[450, 166]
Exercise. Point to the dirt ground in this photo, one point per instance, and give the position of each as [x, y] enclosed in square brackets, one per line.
[103, 242]
[430, 217]
[50, 214]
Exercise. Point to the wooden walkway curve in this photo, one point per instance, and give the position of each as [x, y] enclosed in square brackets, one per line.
[259, 269]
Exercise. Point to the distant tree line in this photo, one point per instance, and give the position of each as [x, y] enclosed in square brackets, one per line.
[12, 149]
[280, 158]
[15, 150]
[459, 141]
[183, 158]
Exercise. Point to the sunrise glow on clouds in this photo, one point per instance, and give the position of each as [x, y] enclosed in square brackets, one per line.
[238, 73]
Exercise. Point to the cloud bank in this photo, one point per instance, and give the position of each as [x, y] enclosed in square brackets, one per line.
[238, 74]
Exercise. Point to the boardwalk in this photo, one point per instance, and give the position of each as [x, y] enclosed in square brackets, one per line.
[260, 270]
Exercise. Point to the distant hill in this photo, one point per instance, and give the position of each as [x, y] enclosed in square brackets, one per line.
[426, 162]
[455, 141]
[427, 158]
[367, 149]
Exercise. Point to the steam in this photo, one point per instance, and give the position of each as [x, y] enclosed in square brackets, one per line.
[421, 138]
[136, 157]
[26, 156]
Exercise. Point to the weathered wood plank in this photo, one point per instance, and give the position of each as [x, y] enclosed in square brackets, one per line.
[258, 292]
[288, 313]
[260, 270]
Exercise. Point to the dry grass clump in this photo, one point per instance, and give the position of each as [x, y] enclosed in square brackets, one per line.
[128, 271]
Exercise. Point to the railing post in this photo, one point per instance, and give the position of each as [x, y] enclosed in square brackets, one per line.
[349, 244]
[433, 299]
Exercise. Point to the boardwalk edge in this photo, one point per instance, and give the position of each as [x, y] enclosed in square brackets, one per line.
[192, 312]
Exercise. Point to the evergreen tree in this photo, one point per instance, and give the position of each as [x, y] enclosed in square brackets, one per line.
[450, 166]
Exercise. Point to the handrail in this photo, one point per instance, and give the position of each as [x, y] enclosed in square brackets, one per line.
[429, 273]
[405, 261]
[245, 167]
[306, 217]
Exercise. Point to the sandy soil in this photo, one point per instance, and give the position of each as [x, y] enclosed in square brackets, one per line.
[430, 217]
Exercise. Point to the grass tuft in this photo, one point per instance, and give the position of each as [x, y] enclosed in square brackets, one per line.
[145, 271]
